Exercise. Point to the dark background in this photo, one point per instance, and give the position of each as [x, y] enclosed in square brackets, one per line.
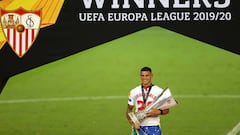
[69, 35]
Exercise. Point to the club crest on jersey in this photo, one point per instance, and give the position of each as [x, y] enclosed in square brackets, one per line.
[20, 28]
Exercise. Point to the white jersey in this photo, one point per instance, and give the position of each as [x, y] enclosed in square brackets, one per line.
[136, 99]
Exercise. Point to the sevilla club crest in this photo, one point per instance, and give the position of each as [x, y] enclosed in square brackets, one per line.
[20, 28]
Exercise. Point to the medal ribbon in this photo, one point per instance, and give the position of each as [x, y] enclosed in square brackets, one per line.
[145, 97]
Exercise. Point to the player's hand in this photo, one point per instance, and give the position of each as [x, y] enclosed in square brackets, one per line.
[133, 124]
[153, 113]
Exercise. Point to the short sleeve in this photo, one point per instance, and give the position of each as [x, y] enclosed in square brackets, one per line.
[131, 100]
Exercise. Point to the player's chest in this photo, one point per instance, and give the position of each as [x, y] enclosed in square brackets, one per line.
[146, 96]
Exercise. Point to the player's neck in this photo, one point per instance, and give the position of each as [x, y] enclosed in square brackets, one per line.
[147, 85]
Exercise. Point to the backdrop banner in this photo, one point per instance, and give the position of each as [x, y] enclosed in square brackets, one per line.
[41, 31]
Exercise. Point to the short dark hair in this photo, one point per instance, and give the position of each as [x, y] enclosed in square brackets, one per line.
[146, 69]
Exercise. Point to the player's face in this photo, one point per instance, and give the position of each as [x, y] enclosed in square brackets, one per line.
[146, 77]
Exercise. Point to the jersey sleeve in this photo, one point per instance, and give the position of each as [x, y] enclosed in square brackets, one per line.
[131, 100]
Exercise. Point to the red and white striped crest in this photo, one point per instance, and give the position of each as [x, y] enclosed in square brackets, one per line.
[20, 28]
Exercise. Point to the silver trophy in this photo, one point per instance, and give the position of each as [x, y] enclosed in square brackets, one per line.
[163, 101]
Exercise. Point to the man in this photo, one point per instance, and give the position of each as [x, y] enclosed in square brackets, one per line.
[142, 96]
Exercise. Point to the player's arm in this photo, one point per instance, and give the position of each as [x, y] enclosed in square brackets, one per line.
[129, 109]
[155, 112]
[164, 112]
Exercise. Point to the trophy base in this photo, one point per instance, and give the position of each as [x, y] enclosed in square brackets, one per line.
[134, 118]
